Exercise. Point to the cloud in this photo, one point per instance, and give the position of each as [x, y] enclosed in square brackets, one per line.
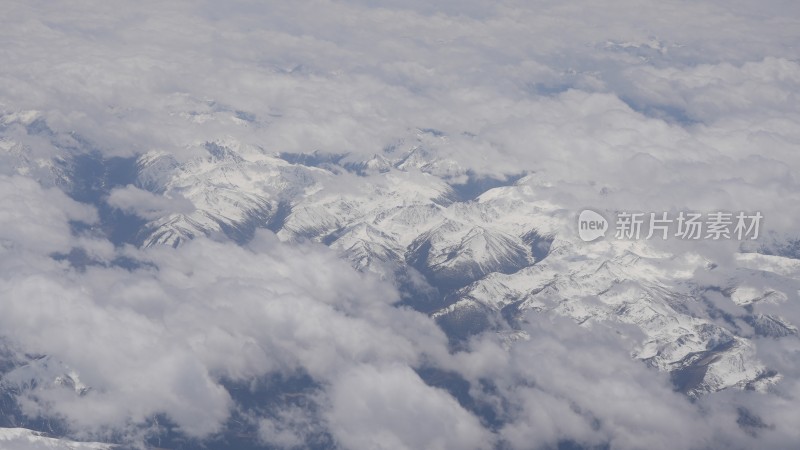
[36, 219]
[564, 383]
[622, 107]
[162, 338]
[611, 106]
[147, 205]
[392, 408]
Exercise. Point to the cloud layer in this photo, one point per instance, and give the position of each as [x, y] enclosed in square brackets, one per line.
[674, 106]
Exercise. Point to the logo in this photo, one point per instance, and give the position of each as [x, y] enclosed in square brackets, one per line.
[684, 225]
[591, 225]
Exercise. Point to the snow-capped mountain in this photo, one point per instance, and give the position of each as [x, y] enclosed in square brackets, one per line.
[479, 263]
[43, 373]
[476, 254]
[24, 439]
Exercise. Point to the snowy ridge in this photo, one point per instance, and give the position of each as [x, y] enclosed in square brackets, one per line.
[43, 373]
[394, 215]
[24, 439]
[474, 263]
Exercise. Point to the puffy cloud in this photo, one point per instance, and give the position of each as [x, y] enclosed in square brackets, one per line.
[390, 407]
[34, 219]
[352, 77]
[161, 338]
[622, 107]
[564, 383]
[146, 204]
[614, 106]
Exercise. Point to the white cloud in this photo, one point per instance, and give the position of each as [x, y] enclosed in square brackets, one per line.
[391, 408]
[148, 205]
[678, 105]
[567, 383]
[37, 219]
[161, 338]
